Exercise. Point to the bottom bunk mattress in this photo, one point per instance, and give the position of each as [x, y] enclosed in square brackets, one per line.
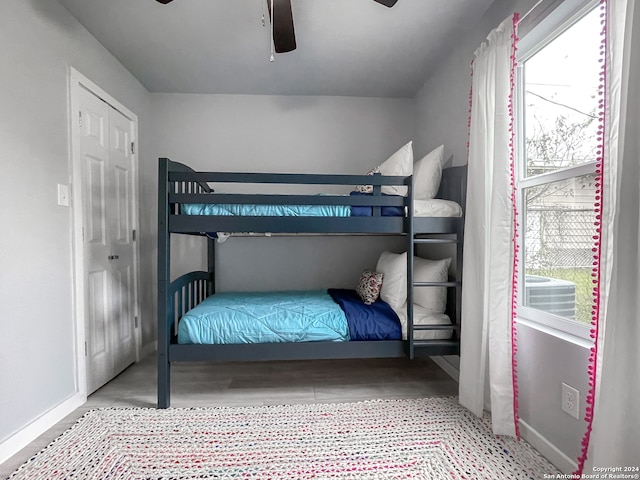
[299, 316]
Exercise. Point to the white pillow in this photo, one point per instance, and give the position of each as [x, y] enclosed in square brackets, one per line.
[422, 316]
[433, 299]
[428, 173]
[436, 207]
[393, 266]
[398, 164]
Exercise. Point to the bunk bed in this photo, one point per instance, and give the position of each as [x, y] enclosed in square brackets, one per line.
[181, 188]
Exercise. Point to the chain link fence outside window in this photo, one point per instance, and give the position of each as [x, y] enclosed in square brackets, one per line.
[560, 225]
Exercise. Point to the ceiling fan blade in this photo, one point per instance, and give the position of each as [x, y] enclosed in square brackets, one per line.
[386, 3]
[164, 2]
[284, 37]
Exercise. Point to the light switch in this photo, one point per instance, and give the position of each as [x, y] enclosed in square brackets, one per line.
[63, 195]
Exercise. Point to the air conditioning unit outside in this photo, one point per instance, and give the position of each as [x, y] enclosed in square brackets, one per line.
[551, 295]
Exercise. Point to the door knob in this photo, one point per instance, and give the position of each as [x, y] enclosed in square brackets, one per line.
[113, 257]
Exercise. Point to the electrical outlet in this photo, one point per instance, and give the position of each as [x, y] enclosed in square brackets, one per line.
[63, 195]
[570, 400]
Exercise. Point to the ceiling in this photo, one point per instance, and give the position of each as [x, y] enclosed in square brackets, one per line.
[345, 47]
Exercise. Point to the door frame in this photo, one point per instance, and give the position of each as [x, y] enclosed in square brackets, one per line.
[77, 81]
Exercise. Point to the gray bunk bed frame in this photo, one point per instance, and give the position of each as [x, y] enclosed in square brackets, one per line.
[179, 184]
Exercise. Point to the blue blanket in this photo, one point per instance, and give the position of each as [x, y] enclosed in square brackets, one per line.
[264, 317]
[272, 317]
[377, 321]
[363, 211]
[250, 210]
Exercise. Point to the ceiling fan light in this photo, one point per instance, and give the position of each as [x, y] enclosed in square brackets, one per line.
[386, 3]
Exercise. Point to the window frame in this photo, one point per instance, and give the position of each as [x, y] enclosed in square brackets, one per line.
[537, 37]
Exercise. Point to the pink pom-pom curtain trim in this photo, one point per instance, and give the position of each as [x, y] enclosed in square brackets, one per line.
[597, 248]
[514, 267]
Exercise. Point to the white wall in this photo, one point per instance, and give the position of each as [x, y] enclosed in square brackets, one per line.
[544, 363]
[544, 360]
[281, 134]
[40, 41]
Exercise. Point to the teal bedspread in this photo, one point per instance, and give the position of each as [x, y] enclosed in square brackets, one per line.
[264, 317]
[250, 210]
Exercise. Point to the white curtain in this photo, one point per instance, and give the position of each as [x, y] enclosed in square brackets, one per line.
[614, 439]
[486, 368]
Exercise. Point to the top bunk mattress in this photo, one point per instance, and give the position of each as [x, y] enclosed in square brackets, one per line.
[422, 208]
[252, 210]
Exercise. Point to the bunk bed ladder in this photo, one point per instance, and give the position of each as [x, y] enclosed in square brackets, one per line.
[165, 303]
[410, 229]
[454, 296]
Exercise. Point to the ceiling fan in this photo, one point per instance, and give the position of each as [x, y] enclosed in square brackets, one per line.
[284, 38]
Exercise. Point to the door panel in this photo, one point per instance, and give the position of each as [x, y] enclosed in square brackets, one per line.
[123, 315]
[99, 344]
[123, 206]
[120, 134]
[96, 219]
[95, 117]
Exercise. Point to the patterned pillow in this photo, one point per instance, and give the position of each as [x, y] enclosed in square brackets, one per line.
[368, 188]
[399, 164]
[369, 286]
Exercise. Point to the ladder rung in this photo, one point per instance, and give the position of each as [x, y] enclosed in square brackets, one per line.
[435, 327]
[426, 343]
[435, 240]
[434, 347]
[436, 284]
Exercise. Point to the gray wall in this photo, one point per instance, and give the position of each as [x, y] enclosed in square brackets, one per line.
[40, 41]
[281, 134]
[545, 361]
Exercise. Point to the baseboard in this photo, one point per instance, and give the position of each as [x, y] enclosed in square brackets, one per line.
[148, 349]
[22, 438]
[529, 434]
[547, 449]
[447, 366]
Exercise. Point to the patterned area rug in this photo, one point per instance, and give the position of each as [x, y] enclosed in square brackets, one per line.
[432, 438]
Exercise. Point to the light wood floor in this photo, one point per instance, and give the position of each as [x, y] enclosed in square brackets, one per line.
[264, 383]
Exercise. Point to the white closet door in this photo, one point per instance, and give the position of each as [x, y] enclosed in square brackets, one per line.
[120, 235]
[95, 166]
[108, 247]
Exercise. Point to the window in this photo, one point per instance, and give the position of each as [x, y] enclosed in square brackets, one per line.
[557, 144]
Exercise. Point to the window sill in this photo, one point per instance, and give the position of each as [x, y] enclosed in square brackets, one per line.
[562, 335]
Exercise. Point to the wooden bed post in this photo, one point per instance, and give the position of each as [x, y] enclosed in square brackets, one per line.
[164, 302]
[211, 265]
[410, 229]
